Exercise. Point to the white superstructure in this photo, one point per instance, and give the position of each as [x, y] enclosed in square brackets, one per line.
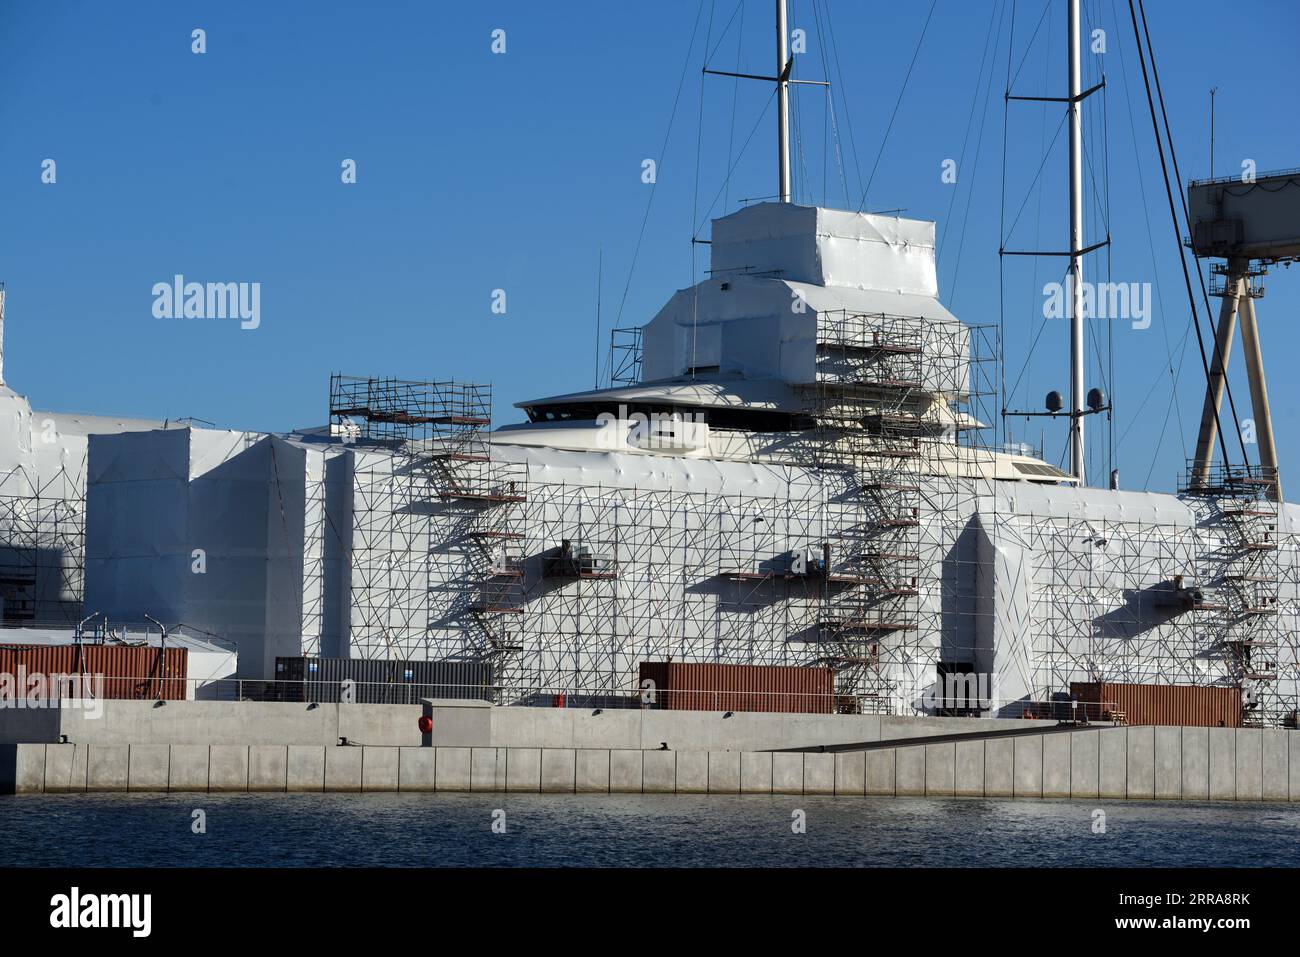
[786, 470]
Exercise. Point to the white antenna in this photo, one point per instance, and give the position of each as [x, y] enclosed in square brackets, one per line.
[1077, 412]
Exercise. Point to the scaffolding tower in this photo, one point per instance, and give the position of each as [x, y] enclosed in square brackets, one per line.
[883, 404]
[435, 496]
[42, 563]
[869, 428]
[1238, 607]
[1195, 592]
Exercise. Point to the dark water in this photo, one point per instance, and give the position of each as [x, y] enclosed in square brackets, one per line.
[424, 830]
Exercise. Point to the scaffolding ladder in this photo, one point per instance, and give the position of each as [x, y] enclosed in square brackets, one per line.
[868, 411]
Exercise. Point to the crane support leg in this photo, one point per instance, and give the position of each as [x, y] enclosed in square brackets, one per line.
[1259, 394]
[1223, 336]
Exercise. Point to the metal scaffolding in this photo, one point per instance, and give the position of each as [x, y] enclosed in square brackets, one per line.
[1239, 604]
[847, 560]
[889, 391]
[42, 561]
[314, 588]
[427, 495]
[1194, 596]
[862, 546]
[666, 573]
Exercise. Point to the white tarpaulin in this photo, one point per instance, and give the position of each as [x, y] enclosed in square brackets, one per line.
[780, 272]
[827, 247]
[767, 328]
[653, 472]
[1004, 631]
[204, 527]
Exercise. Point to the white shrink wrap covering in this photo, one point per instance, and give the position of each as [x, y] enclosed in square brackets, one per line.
[828, 247]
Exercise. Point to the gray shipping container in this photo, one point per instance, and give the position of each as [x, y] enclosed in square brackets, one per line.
[380, 681]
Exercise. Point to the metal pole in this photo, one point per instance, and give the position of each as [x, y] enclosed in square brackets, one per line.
[1213, 91]
[1076, 244]
[162, 651]
[782, 104]
[1259, 391]
[600, 269]
[81, 637]
[1223, 334]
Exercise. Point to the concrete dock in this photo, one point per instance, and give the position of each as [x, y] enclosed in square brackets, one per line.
[474, 747]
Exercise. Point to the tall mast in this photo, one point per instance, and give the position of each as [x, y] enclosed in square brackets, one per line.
[784, 66]
[782, 102]
[1076, 254]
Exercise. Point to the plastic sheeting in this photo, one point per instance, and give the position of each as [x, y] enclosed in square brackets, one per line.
[1084, 504]
[828, 247]
[1004, 628]
[653, 472]
[765, 328]
[15, 433]
[716, 392]
[204, 527]
[748, 329]
[776, 268]
[42, 492]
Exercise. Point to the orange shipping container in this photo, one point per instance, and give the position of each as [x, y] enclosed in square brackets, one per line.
[127, 671]
[685, 686]
[1185, 705]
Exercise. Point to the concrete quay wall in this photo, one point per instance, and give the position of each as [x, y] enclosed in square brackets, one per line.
[462, 724]
[1139, 763]
[652, 729]
[128, 722]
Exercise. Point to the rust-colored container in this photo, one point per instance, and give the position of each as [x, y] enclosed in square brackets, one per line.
[112, 671]
[686, 686]
[1184, 705]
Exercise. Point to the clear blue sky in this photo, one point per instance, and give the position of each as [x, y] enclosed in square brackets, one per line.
[479, 171]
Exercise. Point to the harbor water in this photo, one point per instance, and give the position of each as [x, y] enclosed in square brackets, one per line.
[546, 830]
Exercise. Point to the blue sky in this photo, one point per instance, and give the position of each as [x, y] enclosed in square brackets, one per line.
[479, 171]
